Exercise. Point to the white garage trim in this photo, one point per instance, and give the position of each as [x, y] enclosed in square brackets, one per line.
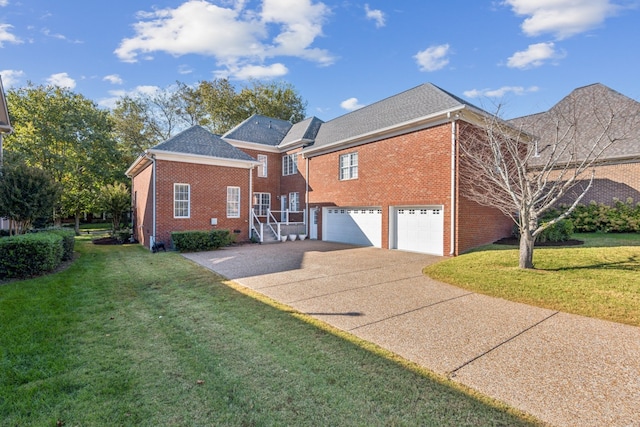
[353, 225]
[417, 229]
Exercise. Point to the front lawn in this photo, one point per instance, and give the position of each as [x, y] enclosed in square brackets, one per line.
[126, 337]
[598, 279]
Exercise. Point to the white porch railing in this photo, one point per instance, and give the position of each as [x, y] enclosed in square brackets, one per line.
[290, 222]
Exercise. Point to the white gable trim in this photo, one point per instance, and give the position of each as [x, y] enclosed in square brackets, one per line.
[252, 146]
[203, 160]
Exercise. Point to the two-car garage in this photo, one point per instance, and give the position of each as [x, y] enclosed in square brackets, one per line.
[413, 228]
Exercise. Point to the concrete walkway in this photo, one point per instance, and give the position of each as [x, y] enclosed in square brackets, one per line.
[564, 369]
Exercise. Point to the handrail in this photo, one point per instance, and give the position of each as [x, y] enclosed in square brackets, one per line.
[270, 215]
[255, 218]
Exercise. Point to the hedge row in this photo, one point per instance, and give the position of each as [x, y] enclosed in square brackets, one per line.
[622, 217]
[34, 254]
[194, 241]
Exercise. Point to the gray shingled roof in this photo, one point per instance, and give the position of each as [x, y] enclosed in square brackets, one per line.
[587, 108]
[260, 130]
[199, 141]
[421, 101]
[304, 130]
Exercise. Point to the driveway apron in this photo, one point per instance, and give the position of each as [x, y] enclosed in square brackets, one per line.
[564, 369]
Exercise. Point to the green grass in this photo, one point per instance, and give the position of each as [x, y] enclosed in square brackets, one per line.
[598, 279]
[126, 337]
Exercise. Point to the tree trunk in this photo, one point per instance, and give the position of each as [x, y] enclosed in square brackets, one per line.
[526, 249]
[77, 225]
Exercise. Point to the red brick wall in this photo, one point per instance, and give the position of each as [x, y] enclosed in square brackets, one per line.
[271, 183]
[621, 181]
[142, 187]
[479, 225]
[208, 198]
[410, 169]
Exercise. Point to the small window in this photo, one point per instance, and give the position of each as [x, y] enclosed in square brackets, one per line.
[349, 166]
[294, 202]
[181, 196]
[261, 203]
[233, 202]
[262, 169]
[289, 164]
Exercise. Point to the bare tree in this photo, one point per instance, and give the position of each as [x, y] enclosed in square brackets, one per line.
[525, 166]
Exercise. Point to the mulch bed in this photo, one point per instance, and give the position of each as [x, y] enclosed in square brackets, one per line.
[105, 241]
[516, 242]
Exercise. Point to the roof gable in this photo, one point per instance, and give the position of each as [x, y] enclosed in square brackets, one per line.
[199, 141]
[586, 109]
[5, 122]
[305, 130]
[421, 101]
[260, 129]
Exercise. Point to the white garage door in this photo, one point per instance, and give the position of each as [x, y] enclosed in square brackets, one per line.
[420, 229]
[356, 226]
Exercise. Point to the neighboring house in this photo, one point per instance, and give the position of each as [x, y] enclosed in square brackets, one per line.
[588, 109]
[385, 175]
[5, 128]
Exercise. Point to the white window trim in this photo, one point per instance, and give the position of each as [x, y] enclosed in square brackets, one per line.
[294, 202]
[350, 171]
[290, 164]
[257, 197]
[176, 201]
[262, 168]
[233, 202]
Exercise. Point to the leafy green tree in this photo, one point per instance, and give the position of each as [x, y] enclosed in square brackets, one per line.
[26, 194]
[115, 199]
[68, 136]
[277, 100]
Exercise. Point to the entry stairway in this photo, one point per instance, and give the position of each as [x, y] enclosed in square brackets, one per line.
[268, 229]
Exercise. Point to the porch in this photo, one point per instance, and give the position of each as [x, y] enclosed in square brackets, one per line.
[271, 226]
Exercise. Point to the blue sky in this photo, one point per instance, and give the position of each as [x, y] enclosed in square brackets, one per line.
[338, 54]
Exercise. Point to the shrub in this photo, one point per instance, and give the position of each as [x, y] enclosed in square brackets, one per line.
[561, 231]
[68, 242]
[30, 254]
[194, 241]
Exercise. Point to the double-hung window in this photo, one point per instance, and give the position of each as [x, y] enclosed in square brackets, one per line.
[261, 203]
[262, 168]
[181, 198]
[349, 166]
[294, 202]
[289, 164]
[233, 202]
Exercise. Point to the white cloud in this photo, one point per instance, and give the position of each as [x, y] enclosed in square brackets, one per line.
[62, 80]
[6, 36]
[499, 93]
[236, 37]
[185, 69]
[47, 32]
[351, 104]
[11, 78]
[4, 3]
[535, 56]
[562, 18]
[376, 15]
[433, 58]
[248, 72]
[113, 79]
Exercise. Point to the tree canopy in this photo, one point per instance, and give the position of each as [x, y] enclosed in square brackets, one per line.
[68, 136]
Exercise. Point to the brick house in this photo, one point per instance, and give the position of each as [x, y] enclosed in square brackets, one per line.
[617, 171]
[385, 175]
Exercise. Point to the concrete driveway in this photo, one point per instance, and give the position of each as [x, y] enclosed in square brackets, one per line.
[566, 370]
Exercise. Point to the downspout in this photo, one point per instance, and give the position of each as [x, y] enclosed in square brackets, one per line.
[250, 199]
[453, 184]
[306, 198]
[153, 172]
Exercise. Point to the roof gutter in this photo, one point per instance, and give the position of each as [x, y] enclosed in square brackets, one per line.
[386, 132]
